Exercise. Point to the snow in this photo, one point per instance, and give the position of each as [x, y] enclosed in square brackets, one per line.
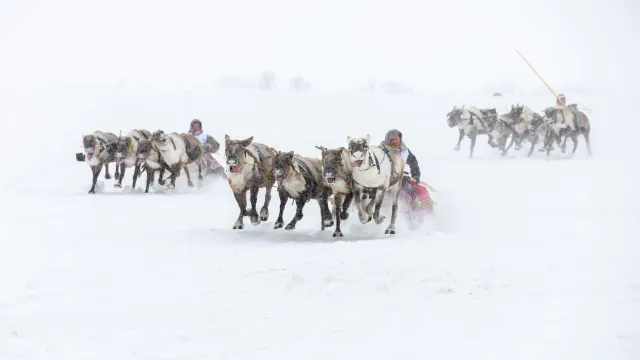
[531, 258]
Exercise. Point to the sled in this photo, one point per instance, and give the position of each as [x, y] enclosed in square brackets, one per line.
[415, 203]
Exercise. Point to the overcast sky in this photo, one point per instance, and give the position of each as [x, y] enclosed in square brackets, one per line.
[434, 44]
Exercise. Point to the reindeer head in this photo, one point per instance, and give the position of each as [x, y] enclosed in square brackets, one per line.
[282, 164]
[159, 137]
[549, 114]
[235, 153]
[91, 146]
[358, 149]
[331, 163]
[454, 117]
[123, 147]
[144, 148]
[516, 112]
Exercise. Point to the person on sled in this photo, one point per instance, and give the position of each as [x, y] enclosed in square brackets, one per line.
[209, 145]
[418, 193]
[567, 112]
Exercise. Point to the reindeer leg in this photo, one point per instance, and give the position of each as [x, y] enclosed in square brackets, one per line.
[585, 132]
[391, 229]
[264, 211]
[299, 206]
[150, 175]
[325, 212]
[162, 169]
[473, 145]
[345, 206]
[95, 170]
[120, 176]
[241, 199]
[379, 199]
[338, 206]
[574, 139]
[564, 144]
[283, 201]
[136, 174]
[106, 172]
[460, 137]
[186, 170]
[364, 217]
[533, 144]
[200, 172]
[253, 197]
[513, 140]
[174, 174]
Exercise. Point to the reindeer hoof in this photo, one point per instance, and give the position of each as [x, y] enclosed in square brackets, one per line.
[365, 220]
[278, 225]
[344, 215]
[255, 220]
[290, 227]
[456, 148]
[299, 217]
[328, 222]
[337, 233]
[264, 214]
[380, 220]
[390, 232]
[108, 176]
[117, 185]
[92, 191]
[190, 183]
[238, 226]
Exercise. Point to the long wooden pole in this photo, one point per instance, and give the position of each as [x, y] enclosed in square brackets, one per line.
[534, 70]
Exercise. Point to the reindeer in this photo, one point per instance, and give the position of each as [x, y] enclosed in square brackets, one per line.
[178, 151]
[250, 168]
[149, 157]
[126, 154]
[300, 178]
[99, 150]
[525, 126]
[567, 122]
[500, 130]
[336, 172]
[472, 122]
[375, 168]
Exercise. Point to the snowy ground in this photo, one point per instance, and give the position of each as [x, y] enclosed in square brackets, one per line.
[532, 259]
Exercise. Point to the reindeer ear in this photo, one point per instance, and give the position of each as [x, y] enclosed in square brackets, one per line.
[368, 138]
[290, 154]
[321, 148]
[226, 139]
[349, 139]
[247, 141]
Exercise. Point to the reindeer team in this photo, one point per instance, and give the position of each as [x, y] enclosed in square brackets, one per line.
[361, 172]
[522, 124]
[344, 173]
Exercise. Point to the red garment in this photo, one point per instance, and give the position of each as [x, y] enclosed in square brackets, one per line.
[419, 197]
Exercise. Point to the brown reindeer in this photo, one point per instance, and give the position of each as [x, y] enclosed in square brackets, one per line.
[99, 150]
[300, 178]
[126, 154]
[336, 173]
[250, 168]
